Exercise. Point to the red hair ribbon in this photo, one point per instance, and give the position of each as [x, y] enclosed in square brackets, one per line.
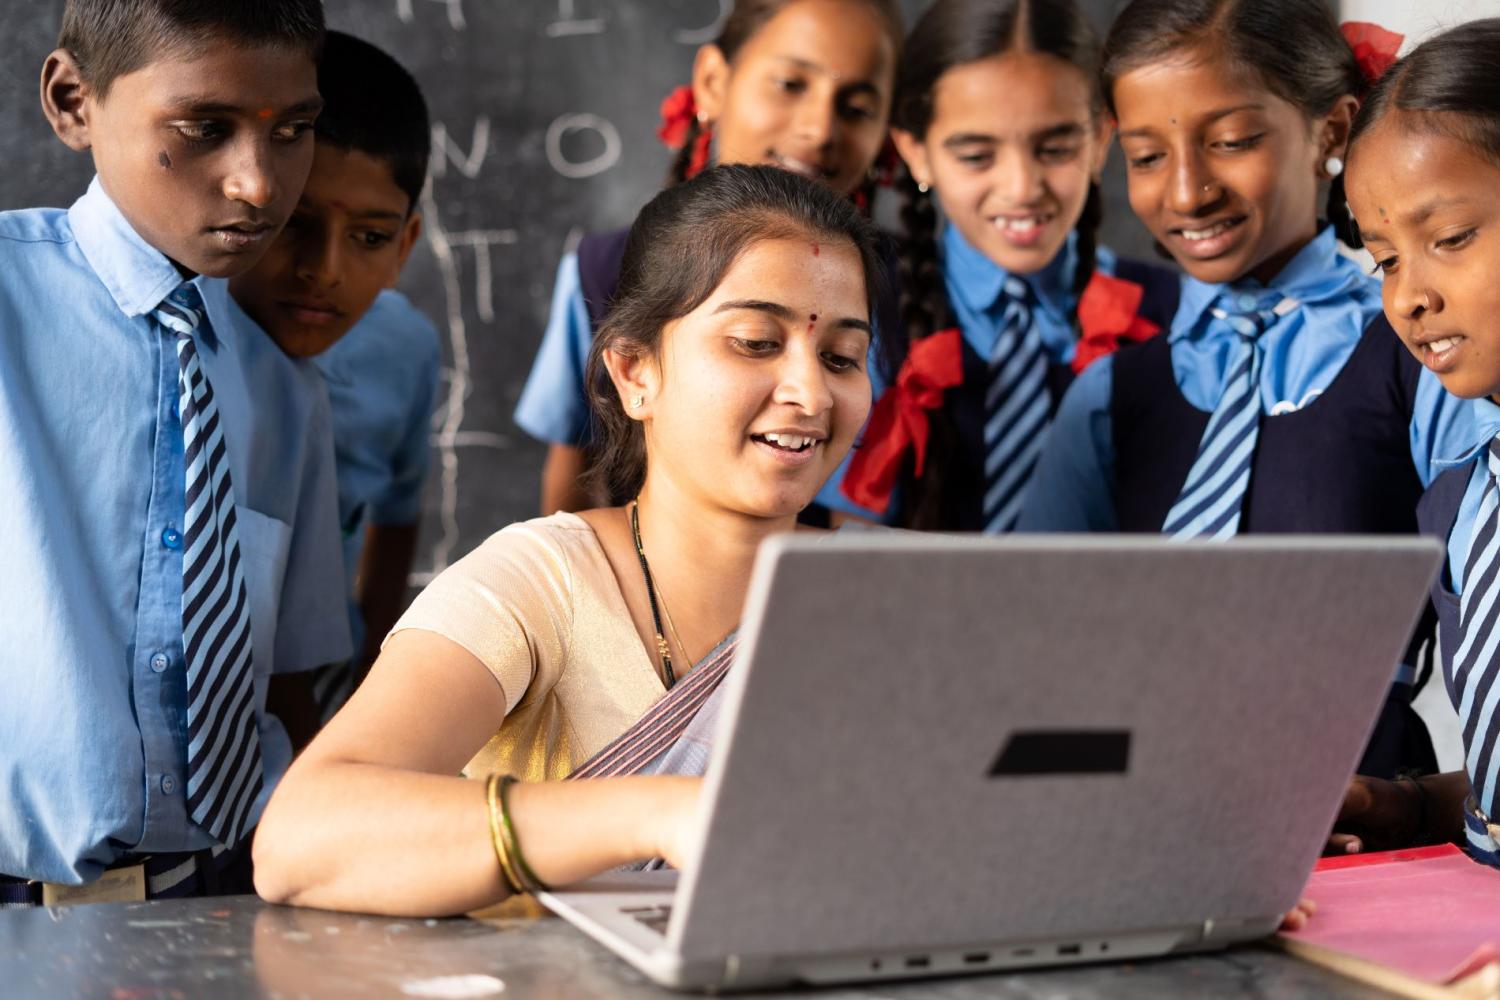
[899, 422]
[678, 113]
[1108, 319]
[1374, 48]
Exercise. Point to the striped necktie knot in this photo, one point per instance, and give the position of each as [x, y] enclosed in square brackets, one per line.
[224, 768]
[1017, 407]
[1212, 498]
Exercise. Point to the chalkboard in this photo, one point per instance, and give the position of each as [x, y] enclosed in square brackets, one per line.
[544, 117]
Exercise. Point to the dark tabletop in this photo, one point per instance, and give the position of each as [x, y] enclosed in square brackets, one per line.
[239, 946]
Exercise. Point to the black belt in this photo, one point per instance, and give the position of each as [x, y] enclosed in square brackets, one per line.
[179, 874]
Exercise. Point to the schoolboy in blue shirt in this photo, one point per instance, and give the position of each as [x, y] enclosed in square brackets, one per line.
[166, 479]
[322, 291]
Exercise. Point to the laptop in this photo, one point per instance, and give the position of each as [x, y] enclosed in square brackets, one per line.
[955, 754]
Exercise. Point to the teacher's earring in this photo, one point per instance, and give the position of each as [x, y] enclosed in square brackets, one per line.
[923, 186]
[636, 401]
[1333, 166]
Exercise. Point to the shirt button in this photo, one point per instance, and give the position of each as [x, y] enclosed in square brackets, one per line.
[168, 784]
[159, 662]
[171, 538]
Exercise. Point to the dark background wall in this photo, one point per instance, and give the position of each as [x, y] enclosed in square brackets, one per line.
[544, 116]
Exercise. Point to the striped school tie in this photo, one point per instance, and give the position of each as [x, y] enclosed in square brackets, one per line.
[1476, 665]
[1214, 492]
[1016, 407]
[224, 764]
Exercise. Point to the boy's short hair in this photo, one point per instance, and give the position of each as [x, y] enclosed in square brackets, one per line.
[372, 105]
[110, 38]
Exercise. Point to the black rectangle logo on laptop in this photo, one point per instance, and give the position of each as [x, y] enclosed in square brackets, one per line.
[1063, 751]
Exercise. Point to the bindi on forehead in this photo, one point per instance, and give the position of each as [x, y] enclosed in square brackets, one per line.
[265, 113]
[816, 250]
[811, 319]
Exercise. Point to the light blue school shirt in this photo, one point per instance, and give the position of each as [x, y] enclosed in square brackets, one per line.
[382, 379]
[1302, 353]
[1469, 445]
[554, 406]
[976, 286]
[93, 718]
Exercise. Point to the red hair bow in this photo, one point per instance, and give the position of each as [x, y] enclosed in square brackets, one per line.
[679, 111]
[1108, 319]
[899, 422]
[1374, 48]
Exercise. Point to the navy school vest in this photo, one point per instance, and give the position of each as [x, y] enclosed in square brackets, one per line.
[958, 499]
[1437, 514]
[1341, 464]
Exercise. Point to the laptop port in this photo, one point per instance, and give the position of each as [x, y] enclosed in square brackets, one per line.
[976, 958]
[918, 962]
[1070, 949]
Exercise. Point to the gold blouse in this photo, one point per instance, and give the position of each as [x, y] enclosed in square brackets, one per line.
[538, 604]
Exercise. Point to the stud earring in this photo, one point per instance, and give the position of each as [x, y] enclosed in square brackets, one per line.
[636, 401]
[1333, 166]
[923, 187]
[702, 117]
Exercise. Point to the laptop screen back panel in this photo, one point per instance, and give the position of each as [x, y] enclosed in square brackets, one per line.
[1054, 738]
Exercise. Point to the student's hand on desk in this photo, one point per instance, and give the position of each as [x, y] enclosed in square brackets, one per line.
[1377, 815]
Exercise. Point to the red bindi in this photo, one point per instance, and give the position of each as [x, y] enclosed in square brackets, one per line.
[810, 321]
[816, 249]
[264, 113]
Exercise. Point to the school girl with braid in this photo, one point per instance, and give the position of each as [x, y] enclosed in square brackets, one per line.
[804, 85]
[1000, 122]
[1424, 185]
[1278, 399]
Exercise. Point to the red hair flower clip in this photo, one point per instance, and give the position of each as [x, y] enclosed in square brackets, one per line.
[1108, 319]
[1375, 49]
[899, 422]
[679, 112]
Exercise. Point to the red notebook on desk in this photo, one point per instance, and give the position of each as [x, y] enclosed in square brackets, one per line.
[1424, 922]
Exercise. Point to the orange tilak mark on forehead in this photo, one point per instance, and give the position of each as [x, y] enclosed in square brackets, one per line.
[265, 113]
[816, 249]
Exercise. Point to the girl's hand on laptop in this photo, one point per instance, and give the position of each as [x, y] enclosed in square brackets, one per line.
[675, 818]
[1297, 917]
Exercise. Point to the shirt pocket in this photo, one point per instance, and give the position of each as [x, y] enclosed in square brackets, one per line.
[264, 543]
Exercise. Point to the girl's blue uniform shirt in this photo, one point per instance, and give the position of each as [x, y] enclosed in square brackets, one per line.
[553, 406]
[382, 379]
[1467, 446]
[975, 285]
[1303, 352]
[93, 728]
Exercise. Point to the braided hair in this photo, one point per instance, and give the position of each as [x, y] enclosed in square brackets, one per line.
[950, 34]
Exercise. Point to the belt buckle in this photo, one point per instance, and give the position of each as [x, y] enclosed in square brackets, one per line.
[1471, 805]
[116, 885]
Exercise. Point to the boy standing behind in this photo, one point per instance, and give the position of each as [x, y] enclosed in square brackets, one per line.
[323, 291]
[166, 481]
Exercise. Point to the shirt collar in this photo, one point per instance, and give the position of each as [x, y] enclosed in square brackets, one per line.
[978, 281]
[1318, 273]
[137, 275]
[1483, 427]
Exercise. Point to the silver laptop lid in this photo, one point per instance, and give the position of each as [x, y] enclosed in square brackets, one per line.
[935, 740]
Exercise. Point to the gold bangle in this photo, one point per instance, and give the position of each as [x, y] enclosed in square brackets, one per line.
[512, 845]
[502, 855]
